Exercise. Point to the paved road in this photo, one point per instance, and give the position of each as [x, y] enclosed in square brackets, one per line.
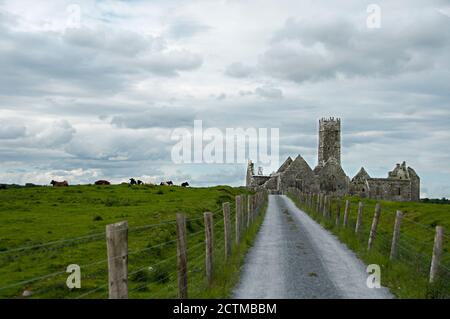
[294, 257]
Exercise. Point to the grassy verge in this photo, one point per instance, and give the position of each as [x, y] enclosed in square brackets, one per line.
[227, 273]
[407, 275]
[73, 221]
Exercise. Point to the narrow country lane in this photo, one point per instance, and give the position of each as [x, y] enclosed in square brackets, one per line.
[294, 257]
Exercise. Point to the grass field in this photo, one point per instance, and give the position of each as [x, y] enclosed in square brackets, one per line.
[44, 229]
[407, 276]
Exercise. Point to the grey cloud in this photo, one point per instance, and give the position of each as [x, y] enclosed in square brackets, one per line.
[316, 50]
[57, 134]
[168, 117]
[221, 96]
[184, 27]
[88, 59]
[8, 131]
[239, 70]
[269, 92]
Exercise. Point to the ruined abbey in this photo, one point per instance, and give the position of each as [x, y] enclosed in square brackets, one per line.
[402, 183]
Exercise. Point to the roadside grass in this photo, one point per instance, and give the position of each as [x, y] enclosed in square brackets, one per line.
[407, 275]
[73, 219]
[227, 273]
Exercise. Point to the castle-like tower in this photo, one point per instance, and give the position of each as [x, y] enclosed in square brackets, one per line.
[329, 140]
[328, 177]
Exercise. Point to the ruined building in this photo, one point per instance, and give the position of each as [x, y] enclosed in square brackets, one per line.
[402, 184]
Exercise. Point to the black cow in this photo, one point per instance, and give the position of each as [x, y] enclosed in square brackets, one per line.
[139, 182]
[185, 184]
[132, 181]
[170, 183]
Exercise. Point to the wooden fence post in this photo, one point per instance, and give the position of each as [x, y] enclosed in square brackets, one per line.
[182, 257]
[319, 209]
[243, 214]
[117, 248]
[254, 205]
[373, 229]
[227, 229]
[346, 213]
[324, 204]
[328, 210]
[338, 212]
[437, 254]
[359, 218]
[238, 218]
[317, 202]
[396, 235]
[209, 241]
[249, 210]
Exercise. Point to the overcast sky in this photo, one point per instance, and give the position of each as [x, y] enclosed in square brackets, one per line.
[99, 97]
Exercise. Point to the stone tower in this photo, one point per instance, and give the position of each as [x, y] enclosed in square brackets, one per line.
[329, 140]
[250, 173]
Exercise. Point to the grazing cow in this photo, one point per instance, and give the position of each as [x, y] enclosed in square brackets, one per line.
[59, 184]
[102, 182]
[163, 184]
[185, 184]
[170, 183]
[132, 181]
[139, 182]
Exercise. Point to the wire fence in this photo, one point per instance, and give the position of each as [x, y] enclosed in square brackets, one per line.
[152, 259]
[421, 249]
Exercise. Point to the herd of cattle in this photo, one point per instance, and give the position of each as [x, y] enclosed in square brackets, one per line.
[104, 182]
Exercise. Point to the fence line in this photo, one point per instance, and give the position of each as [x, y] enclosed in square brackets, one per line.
[113, 258]
[320, 206]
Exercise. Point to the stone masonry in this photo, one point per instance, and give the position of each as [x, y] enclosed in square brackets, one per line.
[402, 183]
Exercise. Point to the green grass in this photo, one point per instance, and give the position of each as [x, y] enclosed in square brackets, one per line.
[407, 276]
[34, 216]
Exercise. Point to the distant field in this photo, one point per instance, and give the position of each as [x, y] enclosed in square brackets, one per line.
[407, 277]
[44, 229]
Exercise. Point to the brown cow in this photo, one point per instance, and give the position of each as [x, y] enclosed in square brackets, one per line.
[102, 182]
[59, 184]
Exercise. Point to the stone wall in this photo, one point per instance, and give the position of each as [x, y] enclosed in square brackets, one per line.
[389, 189]
[332, 179]
[299, 173]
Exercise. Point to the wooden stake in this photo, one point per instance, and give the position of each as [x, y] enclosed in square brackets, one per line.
[396, 236]
[182, 257]
[338, 212]
[209, 240]
[249, 210]
[359, 218]
[346, 213]
[117, 248]
[238, 219]
[373, 229]
[227, 229]
[437, 254]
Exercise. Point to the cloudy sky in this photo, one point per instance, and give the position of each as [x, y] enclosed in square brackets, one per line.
[93, 89]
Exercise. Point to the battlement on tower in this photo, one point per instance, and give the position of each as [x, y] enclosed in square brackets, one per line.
[330, 123]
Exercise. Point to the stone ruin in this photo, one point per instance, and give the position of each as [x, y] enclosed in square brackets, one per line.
[328, 177]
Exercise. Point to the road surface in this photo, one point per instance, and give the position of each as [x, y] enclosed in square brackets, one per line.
[294, 257]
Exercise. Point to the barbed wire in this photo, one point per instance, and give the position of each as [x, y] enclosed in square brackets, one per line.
[98, 235]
